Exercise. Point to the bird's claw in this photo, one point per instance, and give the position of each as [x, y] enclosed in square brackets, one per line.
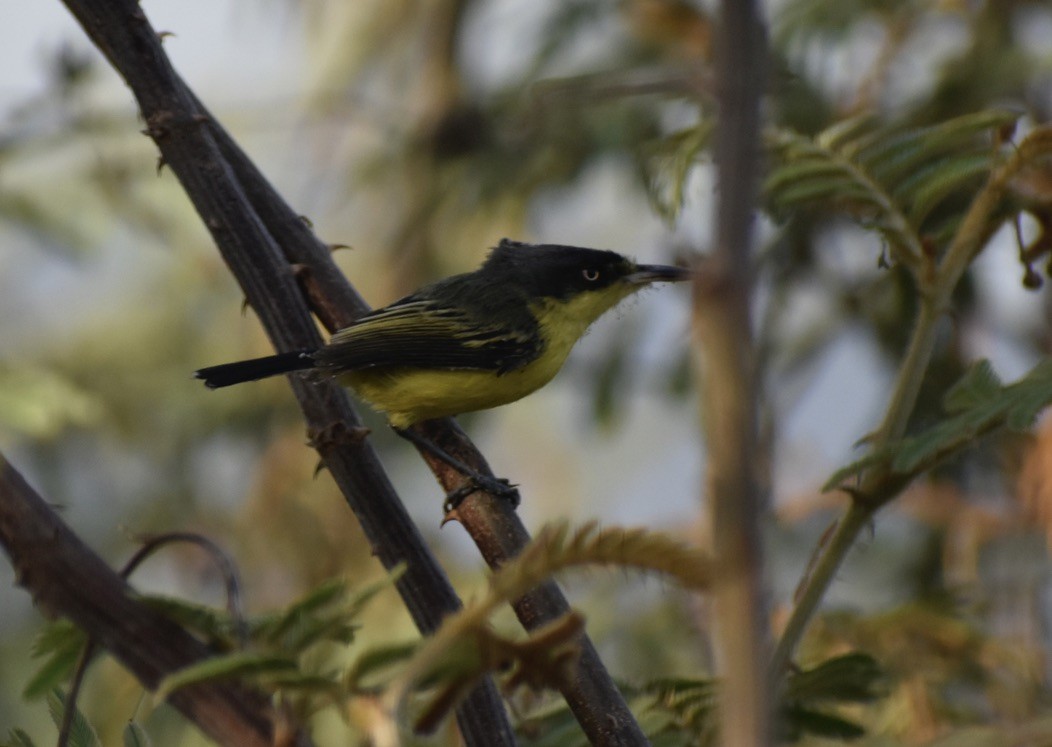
[499, 487]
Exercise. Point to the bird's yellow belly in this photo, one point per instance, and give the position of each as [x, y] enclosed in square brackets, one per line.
[408, 396]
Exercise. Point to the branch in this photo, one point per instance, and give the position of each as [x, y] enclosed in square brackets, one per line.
[67, 579]
[726, 361]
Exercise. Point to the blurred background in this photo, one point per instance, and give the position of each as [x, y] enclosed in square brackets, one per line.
[416, 134]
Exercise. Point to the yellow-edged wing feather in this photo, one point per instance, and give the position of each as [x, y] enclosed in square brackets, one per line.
[423, 333]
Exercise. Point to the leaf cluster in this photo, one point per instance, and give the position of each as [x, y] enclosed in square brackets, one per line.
[912, 185]
[467, 646]
[80, 734]
[891, 179]
[940, 663]
[293, 653]
[682, 712]
[975, 406]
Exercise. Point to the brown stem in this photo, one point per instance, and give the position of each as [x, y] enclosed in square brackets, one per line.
[726, 359]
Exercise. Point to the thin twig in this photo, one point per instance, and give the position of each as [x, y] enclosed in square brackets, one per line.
[66, 578]
[224, 564]
[877, 487]
[227, 569]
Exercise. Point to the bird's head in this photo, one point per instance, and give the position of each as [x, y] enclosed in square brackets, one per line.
[574, 282]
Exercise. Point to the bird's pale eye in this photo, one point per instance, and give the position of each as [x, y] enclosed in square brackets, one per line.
[591, 275]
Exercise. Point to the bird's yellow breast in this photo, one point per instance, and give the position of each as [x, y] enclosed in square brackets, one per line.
[409, 395]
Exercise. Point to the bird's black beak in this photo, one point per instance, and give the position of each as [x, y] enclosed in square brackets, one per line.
[644, 274]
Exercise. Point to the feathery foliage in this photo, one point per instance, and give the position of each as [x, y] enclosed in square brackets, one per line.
[59, 644]
[466, 644]
[890, 179]
[80, 734]
[277, 652]
[666, 164]
[18, 738]
[976, 405]
[558, 547]
[682, 712]
[910, 184]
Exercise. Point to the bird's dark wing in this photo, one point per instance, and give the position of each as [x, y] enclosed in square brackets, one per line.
[422, 333]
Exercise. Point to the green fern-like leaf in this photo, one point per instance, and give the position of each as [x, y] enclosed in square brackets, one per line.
[978, 387]
[210, 623]
[799, 721]
[854, 678]
[692, 704]
[851, 678]
[927, 187]
[896, 181]
[325, 613]
[554, 725]
[912, 185]
[18, 738]
[556, 548]
[300, 620]
[377, 659]
[979, 408]
[237, 665]
[59, 644]
[977, 404]
[81, 734]
[682, 712]
[667, 163]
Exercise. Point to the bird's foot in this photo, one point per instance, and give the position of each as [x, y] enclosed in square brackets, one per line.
[497, 487]
[475, 481]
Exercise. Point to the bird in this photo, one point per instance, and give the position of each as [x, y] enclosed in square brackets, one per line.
[471, 341]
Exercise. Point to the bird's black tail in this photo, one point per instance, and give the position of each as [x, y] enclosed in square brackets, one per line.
[257, 368]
